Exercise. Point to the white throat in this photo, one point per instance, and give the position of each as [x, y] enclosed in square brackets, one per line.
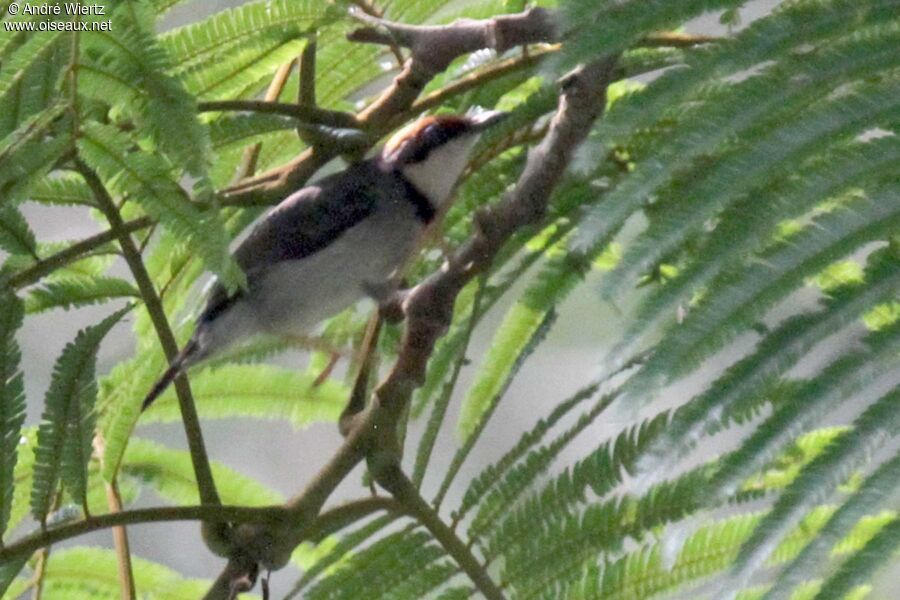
[436, 176]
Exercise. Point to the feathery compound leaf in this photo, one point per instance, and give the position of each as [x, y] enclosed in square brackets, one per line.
[258, 391]
[16, 236]
[171, 473]
[92, 573]
[791, 26]
[190, 44]
[30, 151]
[493, 474]
[880, 485]
[68, 189]
[67, 425]
[609, 26]
[861, 566]
[12, 399]
[73, 291]
[844, 377]
[705, 190]
[743, 294]
[148, 180]
[743, 229]
[27, 56]
[131, 56]
[815, 483]
[746, 385]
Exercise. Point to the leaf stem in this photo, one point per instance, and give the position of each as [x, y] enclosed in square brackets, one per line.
[308, 114]
[205, 483]
[406, 493]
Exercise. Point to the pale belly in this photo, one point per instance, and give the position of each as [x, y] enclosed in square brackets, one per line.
[295, 296]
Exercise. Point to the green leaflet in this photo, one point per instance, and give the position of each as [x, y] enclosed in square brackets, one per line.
[380, 567]
[16, 236]
[8, 572]
[872, 429]
[522, 330]
[742, 228]
[171, 474]
[247, 67]
[710, 549]
[149, 180]
[130, 55]
[741, 295]
[12, 400]
[847, 375]
[601, 470]
[73, 291]
[24, 58]
[791, 26]
[27, 153]
[879, 485]
[240, 130]
[859, 567]
[67, 424]
[607, 27]
[258, 391]
[200, 41]
[66, 189]
[346, 544]
[745, 385]
[93, 573]
[706, 190]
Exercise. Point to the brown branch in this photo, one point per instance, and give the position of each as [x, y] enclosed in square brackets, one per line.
[204, 513]
[408, 496]
[276, 86]
[428, 309]
[432, 48]
[72, 253]
[120, 543]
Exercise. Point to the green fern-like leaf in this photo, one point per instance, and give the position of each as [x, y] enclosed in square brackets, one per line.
[149, 181]
[743, 294]
[63, 189]
[67, 424]
[871, 493]
[818, 479]
[73, 291]
[82, 572]
[859, 567]
[171, 474]
[12, 400]
[16, 236]
[745, 385]
[259, 391]
[848, 374]
[130, 55]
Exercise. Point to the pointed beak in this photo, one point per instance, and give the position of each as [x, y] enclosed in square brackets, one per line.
[487, 118]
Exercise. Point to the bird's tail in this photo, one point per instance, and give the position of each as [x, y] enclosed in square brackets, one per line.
[186, 357]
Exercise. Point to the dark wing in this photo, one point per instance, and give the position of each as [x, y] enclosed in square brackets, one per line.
[301, 225]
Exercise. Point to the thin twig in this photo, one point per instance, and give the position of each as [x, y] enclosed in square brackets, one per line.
[251, 154]
[408, 496]
[307, 114]
[76, 251]
[372, 10]
[306, 90]
[120, 543]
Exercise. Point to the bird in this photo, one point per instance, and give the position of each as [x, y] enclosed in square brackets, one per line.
[332, 243]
